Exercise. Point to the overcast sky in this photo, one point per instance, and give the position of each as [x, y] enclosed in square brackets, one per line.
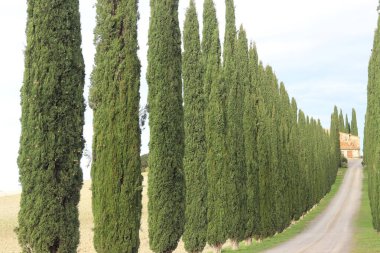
[319, 49]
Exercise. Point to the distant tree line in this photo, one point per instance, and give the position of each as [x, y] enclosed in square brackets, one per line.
[372, 130]
[346, 126]
[265, 162]
[230, 155]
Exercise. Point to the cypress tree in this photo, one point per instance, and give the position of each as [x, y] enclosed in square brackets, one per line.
[371, 131]
[51, 141]
[296, 180]
[354, 124]
[166, 147]
[235, 176]
[334, 133]
[195, 146]
[263, 151]
[210, 24]
[215, 130]
[263, 158]
[347, 125]
[114, 96]
[250, 122]
[342, 127]
[284, 169]
[272, 101]
[266, 154]
[303, 161]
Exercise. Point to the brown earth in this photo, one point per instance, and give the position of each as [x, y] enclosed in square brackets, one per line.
[9, 207]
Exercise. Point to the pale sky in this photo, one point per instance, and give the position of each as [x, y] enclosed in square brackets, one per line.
[319, 49]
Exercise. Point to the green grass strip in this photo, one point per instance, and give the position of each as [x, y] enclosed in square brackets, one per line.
[297, 228]
[365, 237]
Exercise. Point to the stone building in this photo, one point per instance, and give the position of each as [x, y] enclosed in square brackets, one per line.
[349, 145]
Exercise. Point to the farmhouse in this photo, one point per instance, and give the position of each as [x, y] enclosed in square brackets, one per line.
[349, 145]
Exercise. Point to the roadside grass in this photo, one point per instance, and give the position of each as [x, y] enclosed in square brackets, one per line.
[298, 227]
[366, 239]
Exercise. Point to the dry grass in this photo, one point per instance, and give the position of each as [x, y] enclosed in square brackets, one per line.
[9, 207]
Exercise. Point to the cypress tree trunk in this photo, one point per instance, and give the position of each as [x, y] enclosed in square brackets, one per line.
[215, 129]
[166, 182]
[354, 124]
[114, 97]
[52, 121]
[195, 232]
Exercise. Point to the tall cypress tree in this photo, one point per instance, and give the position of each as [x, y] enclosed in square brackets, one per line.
[215, 130]
[265, 176]
[347, 125]
[195, 232]
[303, 161]
[284, 168]
[52, 121]
[371, 131]
[262, 153]
[235, 176]
[296, 181]
[342, 127]
[166, 147]
[250, 122]
[114, 97]
[354, 123]
[334, 133]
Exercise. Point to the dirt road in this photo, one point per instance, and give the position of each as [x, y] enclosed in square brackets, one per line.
[331, 231]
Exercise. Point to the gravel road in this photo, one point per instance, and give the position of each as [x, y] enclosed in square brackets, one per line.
[332, 230]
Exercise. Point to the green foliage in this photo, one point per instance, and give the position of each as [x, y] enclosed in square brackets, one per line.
[366, 239]
[354, 124]
[342, 127]
[250, 126]
[296, 157]
[166, 146]
[195, 232]
[255, 160]
[236, 77]
[52, 120]
[215, 129]
[372, 131]
[343, 161]
[334, 133]
[210, 25]
[347, 125]
[116, 172]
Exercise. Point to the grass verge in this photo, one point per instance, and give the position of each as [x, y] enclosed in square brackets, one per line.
[297, 228]
[366, 238]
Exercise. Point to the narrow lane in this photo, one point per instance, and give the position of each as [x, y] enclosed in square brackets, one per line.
[332, 230]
